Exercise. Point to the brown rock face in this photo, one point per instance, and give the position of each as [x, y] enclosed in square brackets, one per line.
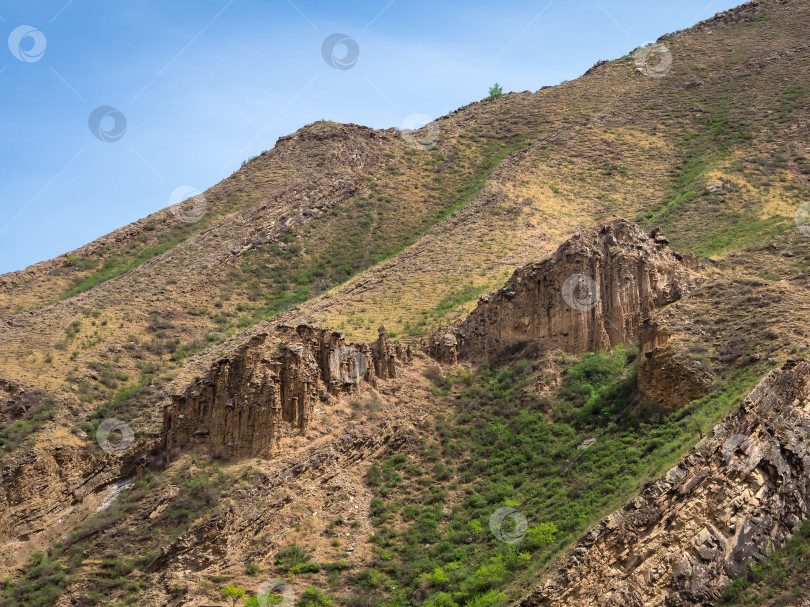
[282, 499]
[593, 293]
[245, 401]
[44, 492]
[665, 373]
[690, 532]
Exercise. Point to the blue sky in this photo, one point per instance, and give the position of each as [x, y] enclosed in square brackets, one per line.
[205, 84]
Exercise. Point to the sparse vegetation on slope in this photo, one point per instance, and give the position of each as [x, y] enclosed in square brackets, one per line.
[43, 583]
[704, 219]
[779, 580]
[562, 461]
[113, 266]
[352, 228]
[368, 230]
[91, 556]
[27, 415]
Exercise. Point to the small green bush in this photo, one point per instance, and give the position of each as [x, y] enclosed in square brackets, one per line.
[314, 598]
[495, 91]
[42, 584]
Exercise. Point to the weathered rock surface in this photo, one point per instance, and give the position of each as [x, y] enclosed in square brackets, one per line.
[42, 495]
[701, 341]
[329, 463]
[665, 372]
[680, 542]
[594, 292]
[245, 401]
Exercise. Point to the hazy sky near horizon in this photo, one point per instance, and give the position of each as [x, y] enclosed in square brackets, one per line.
[192, 88]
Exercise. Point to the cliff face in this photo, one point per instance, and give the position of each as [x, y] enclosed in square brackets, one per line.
[594, 292]
[679, 543]
[665, 373]
[716, 331]
[247, 401]
[47, 491]
[281, 498]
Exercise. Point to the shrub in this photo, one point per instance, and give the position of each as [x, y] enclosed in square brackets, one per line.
[489, 575]
[42, 584]
[369, 578]
[495, 91]
[493, 598]
[374, 475]
[291, 556]
[314, 598]
[543, 535]
[439, 578]
[233, 593]
[305, 568]
[442, 599]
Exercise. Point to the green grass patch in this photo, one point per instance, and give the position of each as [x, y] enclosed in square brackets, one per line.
[115, 266]
[779, 580]
[508, 448]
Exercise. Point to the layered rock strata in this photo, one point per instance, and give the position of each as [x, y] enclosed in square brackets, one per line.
[273, 382]
[689, 533]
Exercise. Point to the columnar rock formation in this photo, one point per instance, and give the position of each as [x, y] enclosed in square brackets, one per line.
[594, 292]
[245, 400]
[738, 493]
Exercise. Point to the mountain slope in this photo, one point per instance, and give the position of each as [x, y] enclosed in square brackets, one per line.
[351, 228]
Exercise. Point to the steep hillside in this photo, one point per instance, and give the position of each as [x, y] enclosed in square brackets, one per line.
[612, 143]
[688, 533]
[715, 153]
[337, 365]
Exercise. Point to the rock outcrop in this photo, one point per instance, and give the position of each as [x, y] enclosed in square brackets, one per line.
[680, 542]
[665, 372]
[44, 493]
[247, 400]
[274, 502]
[594, 292]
